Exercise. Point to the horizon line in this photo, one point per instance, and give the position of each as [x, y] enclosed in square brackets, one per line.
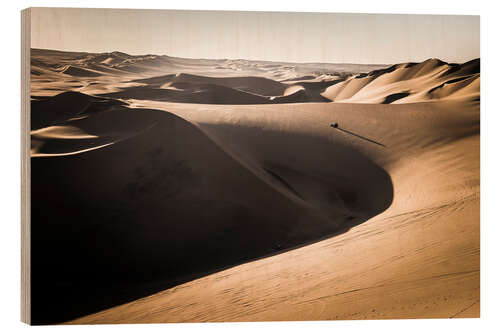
[259, 60]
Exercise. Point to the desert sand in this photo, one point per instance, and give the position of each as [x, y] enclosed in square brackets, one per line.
[168, 189]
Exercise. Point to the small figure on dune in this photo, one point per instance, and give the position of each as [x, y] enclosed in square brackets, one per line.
[336, 126]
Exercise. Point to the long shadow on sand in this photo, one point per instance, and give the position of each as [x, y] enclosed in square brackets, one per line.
[360, 136]
[166, 206]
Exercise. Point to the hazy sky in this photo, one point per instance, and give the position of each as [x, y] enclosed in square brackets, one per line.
[294, 37]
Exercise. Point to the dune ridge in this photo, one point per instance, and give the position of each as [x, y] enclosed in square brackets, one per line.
[415, 81]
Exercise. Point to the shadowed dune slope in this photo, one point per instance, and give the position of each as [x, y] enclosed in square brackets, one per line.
[209, 93]
[65, 106]
[165, 204]
[77, 71]
[195, 93]
[301, 96]
[255, 85]
[186, 88]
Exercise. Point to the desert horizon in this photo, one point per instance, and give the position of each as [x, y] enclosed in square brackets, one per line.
[124, 52]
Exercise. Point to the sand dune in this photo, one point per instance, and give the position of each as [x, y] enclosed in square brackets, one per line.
[417, 259]
[405, 82]
[66, 106]
[255, 85]
[203, 208]
[301, 96]
[77, 71]
[195, 93]
[215, 90]
[218, 189]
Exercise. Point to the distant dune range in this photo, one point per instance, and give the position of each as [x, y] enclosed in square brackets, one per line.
[154, 175]
[249, 82]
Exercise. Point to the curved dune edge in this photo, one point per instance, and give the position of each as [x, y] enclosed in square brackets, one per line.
[34, 153]
[431, 271]
[67, 145]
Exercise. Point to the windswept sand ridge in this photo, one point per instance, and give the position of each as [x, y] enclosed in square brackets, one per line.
[253, 84]
[77, 71]
[189, 88]
[466, 87]
[69, 123]
[111, 60]
[65, 106]
[300, 96]
[46, 137]
[404, 83]
[194, 93]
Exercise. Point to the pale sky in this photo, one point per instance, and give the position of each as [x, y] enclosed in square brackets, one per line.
[274, 36]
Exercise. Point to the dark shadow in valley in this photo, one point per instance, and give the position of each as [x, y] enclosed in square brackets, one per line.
[394, 97]
[199, 94]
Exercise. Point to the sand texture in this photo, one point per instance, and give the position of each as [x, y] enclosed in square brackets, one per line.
[184, 190]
